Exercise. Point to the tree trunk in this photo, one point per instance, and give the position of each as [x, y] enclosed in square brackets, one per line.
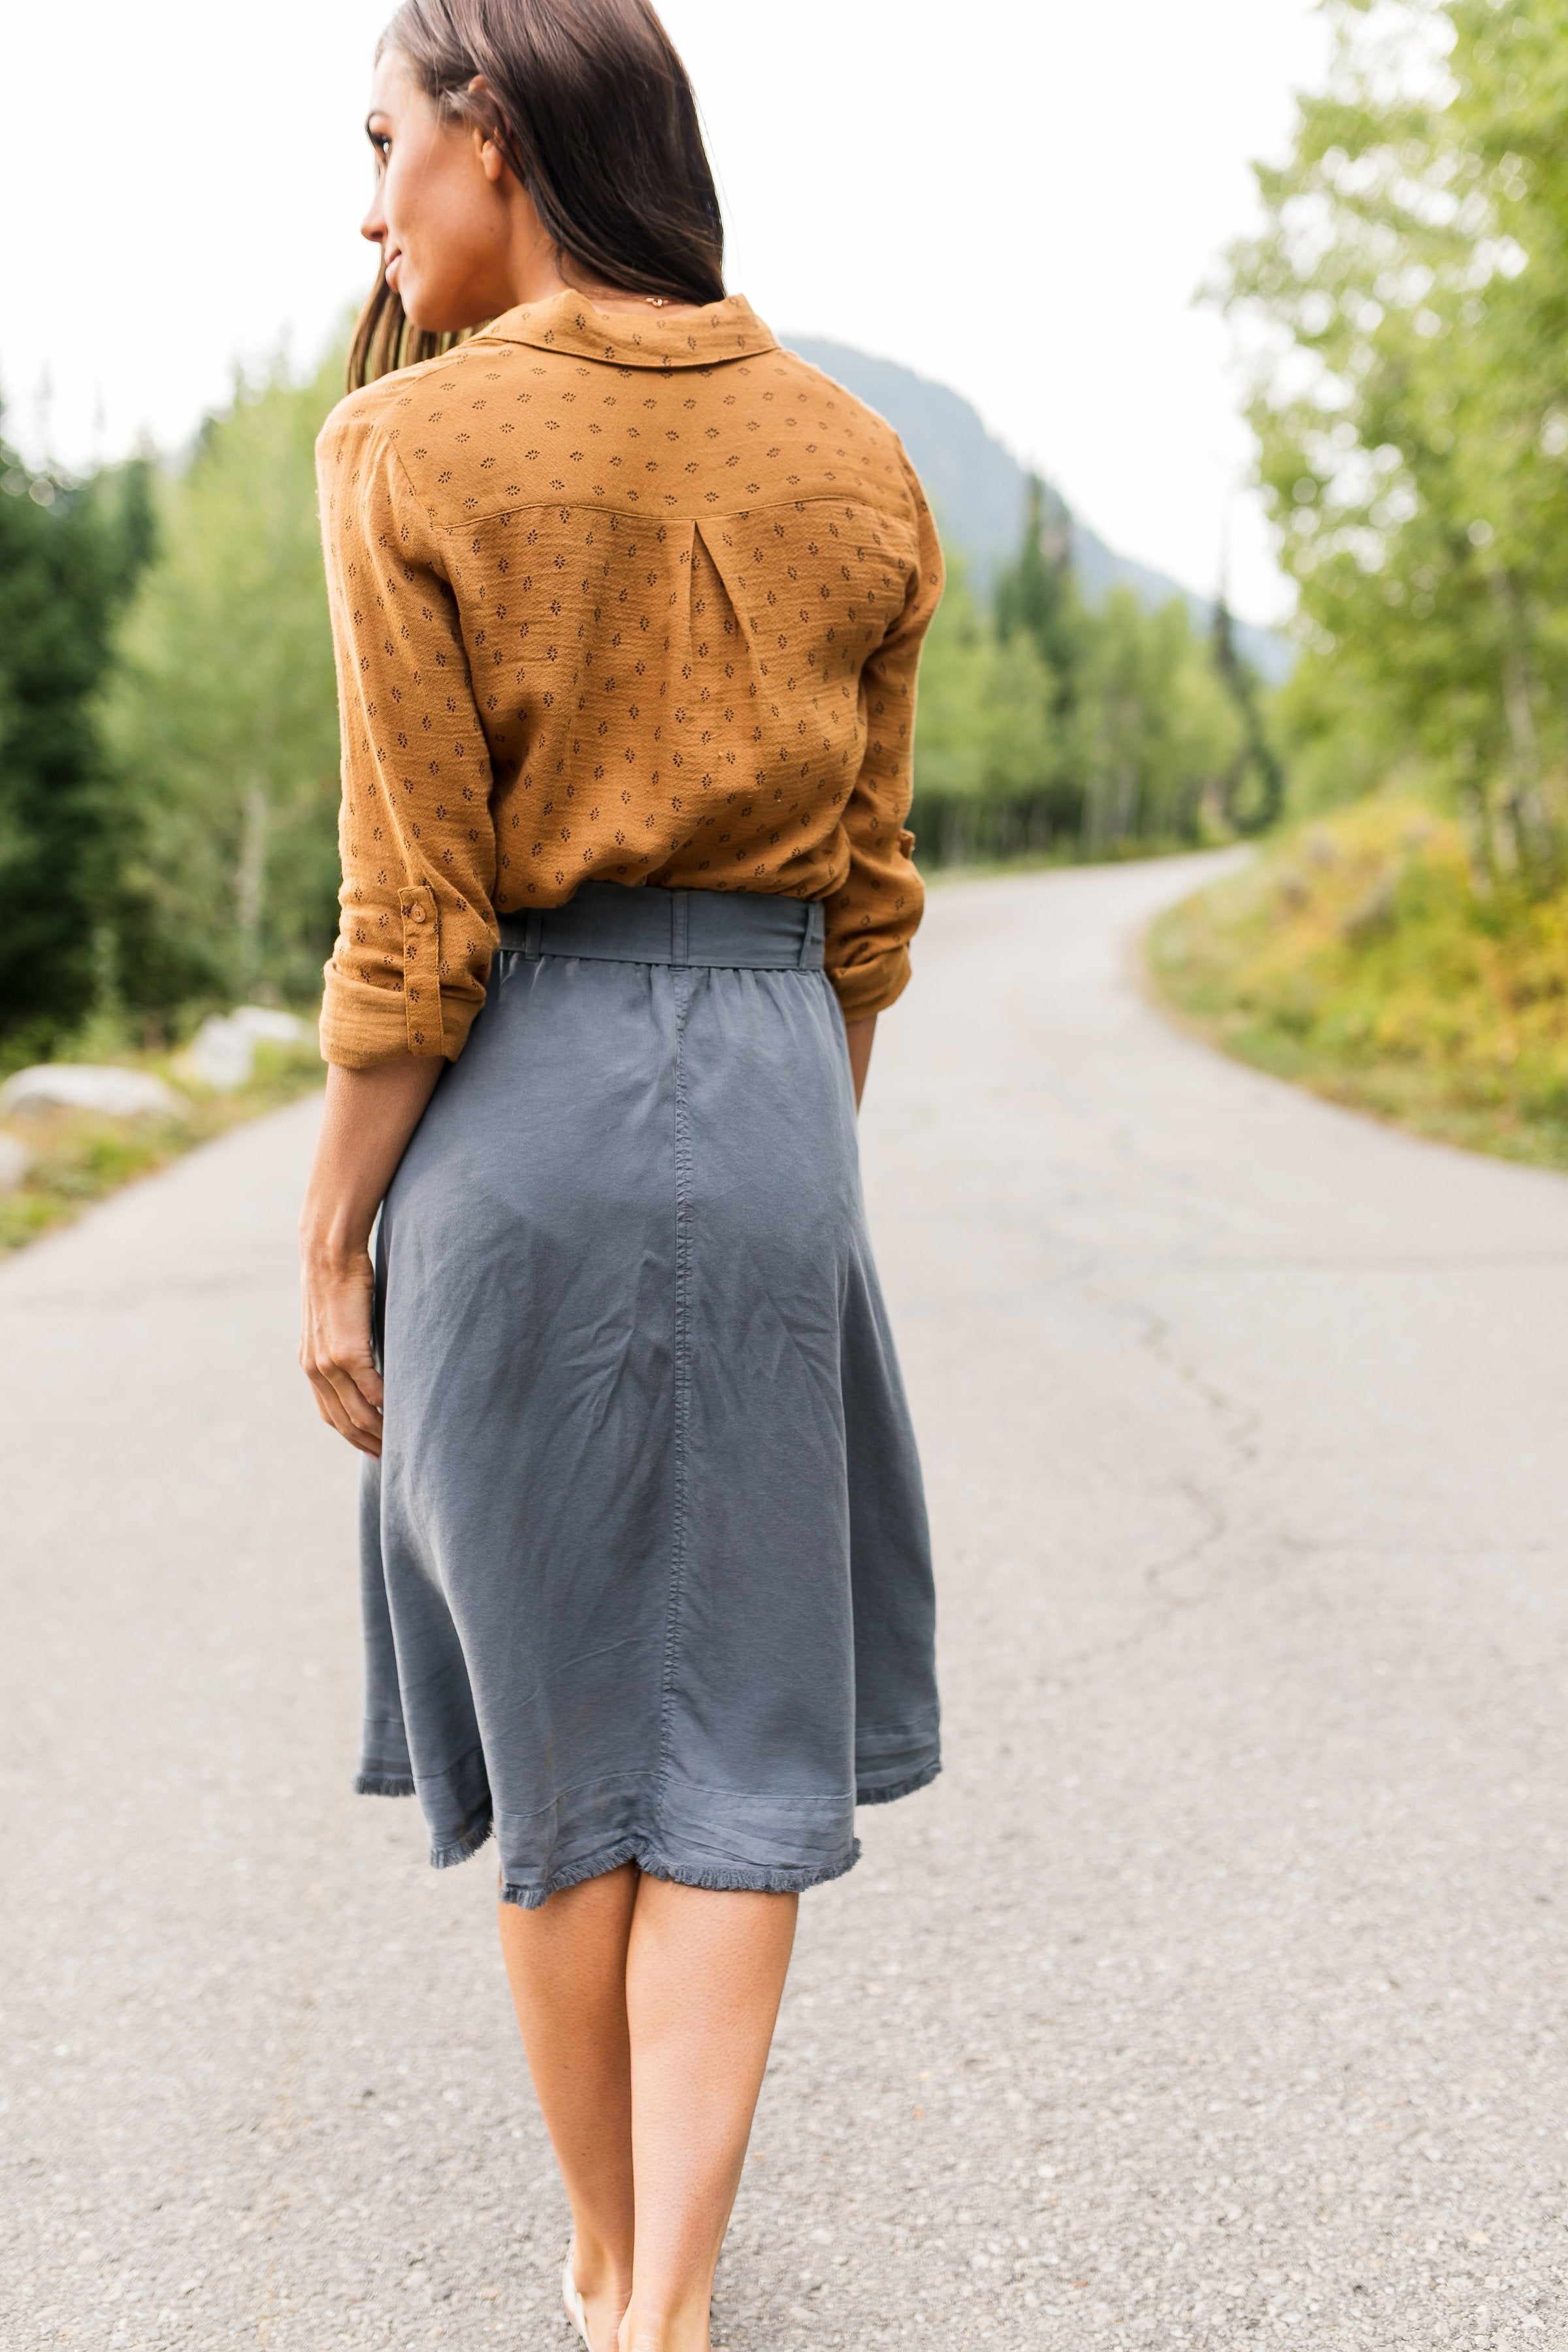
[250, 881]
[1527, 808]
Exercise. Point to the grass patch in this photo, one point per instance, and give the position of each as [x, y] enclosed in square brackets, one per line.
[1360, 958]
[77, 1157]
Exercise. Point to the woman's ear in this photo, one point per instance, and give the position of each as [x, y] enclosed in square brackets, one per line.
[492, 162]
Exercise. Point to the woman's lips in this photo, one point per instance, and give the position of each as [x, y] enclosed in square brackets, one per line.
[392, 261]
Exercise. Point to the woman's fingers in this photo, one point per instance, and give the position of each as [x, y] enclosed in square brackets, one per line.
[361, 1412]
[345, 1408]
[335, 1351]
[340, 1388]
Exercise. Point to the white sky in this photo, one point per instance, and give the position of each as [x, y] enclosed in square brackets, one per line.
[1018, 198]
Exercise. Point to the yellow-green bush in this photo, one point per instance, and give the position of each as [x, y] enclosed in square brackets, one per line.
[1365, 957]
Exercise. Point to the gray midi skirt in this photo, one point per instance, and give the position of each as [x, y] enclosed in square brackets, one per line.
[644, 1566]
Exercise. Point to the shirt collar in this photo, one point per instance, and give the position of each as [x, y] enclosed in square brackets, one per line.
[729, 329]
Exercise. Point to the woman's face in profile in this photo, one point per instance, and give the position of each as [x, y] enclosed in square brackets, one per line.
[440, 212]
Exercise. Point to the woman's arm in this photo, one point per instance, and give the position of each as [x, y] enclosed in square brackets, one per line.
[369, 1118]
[876, 910]
[862, 1036]
[408, 969]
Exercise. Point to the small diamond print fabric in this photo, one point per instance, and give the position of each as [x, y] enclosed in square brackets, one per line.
[627, 600]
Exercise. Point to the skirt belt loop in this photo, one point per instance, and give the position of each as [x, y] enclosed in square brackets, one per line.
[679, 927]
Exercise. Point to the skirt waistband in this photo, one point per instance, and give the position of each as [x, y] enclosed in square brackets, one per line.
[737, 929]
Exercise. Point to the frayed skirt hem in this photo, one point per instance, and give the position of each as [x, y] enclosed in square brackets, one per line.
[650, 1859]
[749, 1879]
[889, 1795]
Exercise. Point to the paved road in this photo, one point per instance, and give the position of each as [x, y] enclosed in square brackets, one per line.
[1214, 1998]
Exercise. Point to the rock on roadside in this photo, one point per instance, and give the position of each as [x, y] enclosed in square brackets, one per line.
[222, 1054]
[94, 1086]
[266, 1023]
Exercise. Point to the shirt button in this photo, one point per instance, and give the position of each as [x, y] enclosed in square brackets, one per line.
[419, 914]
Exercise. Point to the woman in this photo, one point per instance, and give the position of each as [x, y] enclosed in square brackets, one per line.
[627, 605]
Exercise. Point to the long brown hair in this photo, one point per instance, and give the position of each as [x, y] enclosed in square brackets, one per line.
[593, 113]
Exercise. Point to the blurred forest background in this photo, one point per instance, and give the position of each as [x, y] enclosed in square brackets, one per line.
[167, 726]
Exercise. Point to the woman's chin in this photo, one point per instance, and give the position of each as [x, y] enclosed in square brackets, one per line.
[432, 315]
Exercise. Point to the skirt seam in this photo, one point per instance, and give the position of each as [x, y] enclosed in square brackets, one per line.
[681, 1369]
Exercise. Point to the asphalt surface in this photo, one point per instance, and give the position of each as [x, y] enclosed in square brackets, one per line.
[1215, 1997]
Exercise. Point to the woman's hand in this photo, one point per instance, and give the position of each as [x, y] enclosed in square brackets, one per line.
[335, 1346]
[365, 1126]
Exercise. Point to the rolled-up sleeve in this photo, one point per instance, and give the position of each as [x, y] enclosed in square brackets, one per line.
[874, 915]
[417, 930]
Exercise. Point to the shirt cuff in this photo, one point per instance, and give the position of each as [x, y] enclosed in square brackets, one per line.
[365, 1023]
[864, 988]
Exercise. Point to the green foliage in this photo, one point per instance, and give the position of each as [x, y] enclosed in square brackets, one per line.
[1157, 735]
[221, 717]
[1256, 785]
[1053, 728]
[1359, 957]
[989, 759]
[68, 553]
[1412, 413]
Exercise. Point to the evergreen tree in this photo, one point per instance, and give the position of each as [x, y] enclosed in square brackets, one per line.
[1037, 595]
[69, 552]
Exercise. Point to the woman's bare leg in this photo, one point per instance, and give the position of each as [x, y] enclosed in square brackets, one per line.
[567, 1965]
[704, 1973]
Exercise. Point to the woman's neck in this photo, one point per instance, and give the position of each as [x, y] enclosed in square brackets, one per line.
[617, 297]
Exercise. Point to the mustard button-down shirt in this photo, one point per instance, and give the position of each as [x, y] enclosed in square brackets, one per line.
[632, 598]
